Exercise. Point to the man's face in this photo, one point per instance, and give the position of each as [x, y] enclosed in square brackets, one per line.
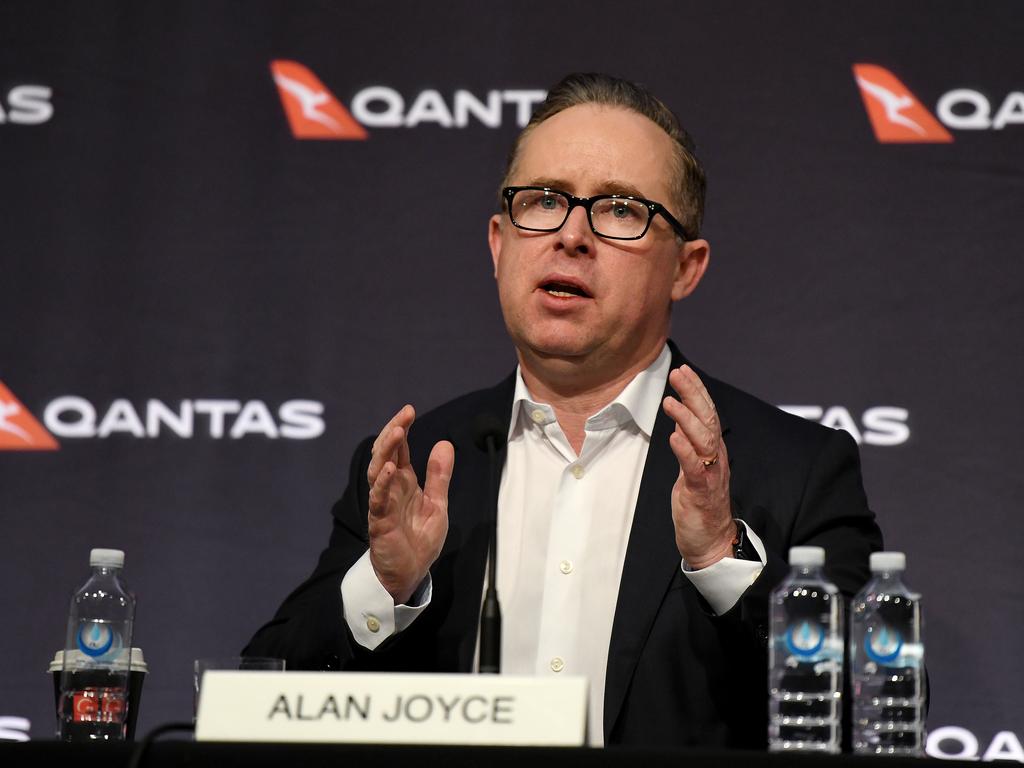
[573, 296]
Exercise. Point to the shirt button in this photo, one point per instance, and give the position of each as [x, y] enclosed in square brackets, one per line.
[577, 471]
[557, 665]
[538, 415]
[565, 566]
[373, 624]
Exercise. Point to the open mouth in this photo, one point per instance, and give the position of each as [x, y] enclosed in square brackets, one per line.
[565, 290]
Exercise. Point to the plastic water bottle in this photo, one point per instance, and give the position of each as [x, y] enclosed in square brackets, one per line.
[887, 662]
[93, 702]
[805, 665]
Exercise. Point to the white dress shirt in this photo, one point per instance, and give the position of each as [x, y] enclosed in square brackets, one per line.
[563, 527]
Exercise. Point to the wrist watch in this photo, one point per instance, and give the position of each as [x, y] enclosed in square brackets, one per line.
[739, 542]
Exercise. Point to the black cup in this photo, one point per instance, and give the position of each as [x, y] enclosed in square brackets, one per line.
[136, 675]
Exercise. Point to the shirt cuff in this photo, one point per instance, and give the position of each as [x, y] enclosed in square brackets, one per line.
[370, 611]
[723, 583]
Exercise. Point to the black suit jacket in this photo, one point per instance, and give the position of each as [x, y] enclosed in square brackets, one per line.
[677, 673]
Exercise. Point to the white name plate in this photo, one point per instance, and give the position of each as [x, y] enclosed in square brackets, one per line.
[391, 708]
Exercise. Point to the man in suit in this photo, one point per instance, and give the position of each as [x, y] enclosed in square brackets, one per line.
[645, 509]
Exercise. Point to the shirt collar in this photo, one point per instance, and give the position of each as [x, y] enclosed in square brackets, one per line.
[638, 402]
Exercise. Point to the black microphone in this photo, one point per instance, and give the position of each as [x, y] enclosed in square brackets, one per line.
[488, 434]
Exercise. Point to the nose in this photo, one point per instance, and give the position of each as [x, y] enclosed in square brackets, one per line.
[576, 236]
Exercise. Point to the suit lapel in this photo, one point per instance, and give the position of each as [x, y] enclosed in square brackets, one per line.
[651, 563]
[469, 508]
[652, 560]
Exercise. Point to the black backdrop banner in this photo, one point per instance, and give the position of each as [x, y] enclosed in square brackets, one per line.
[221, 265]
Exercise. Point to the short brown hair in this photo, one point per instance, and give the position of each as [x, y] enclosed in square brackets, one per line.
[594, 88]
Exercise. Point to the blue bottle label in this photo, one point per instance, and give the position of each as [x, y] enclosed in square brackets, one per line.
[883, 644]
[805, 639]
[95, 639]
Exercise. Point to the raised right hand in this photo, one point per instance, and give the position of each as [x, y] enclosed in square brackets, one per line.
[407, 524]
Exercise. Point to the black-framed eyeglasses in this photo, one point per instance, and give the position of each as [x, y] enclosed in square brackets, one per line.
[616, 217]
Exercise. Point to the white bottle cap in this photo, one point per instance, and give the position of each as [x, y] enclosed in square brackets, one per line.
[807, 556]
[106, 558]
[888, 561]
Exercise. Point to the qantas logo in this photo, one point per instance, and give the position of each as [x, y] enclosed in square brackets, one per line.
[19, 430]
[14, 728]
[73, 417]
[881, 425]
[895, 113]
[314, 112]
[952, 742]
[898, 117]
[26, 105]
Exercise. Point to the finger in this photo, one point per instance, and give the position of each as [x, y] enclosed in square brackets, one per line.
[380, 490]
[689, 462]
[692, 392]
[692, 376]
[404, 419]
[386, 450]
[440, 466]
[388, 445]
[705, 441]
[403, 450]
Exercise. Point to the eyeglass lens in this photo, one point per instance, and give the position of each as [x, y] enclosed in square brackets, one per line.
[610, 216]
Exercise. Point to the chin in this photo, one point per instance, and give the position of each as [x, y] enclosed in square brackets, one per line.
[557, 348]
[548, 338]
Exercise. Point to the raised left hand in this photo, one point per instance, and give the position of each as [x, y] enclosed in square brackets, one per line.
[701, 508]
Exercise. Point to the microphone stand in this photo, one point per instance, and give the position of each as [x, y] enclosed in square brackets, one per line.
[490, 614]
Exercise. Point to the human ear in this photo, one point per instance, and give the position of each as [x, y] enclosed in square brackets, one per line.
[694, 256]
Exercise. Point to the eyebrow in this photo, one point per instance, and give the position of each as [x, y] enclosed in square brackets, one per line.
[607, 187]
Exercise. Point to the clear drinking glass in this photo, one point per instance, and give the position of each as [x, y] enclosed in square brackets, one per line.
[244, 663]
